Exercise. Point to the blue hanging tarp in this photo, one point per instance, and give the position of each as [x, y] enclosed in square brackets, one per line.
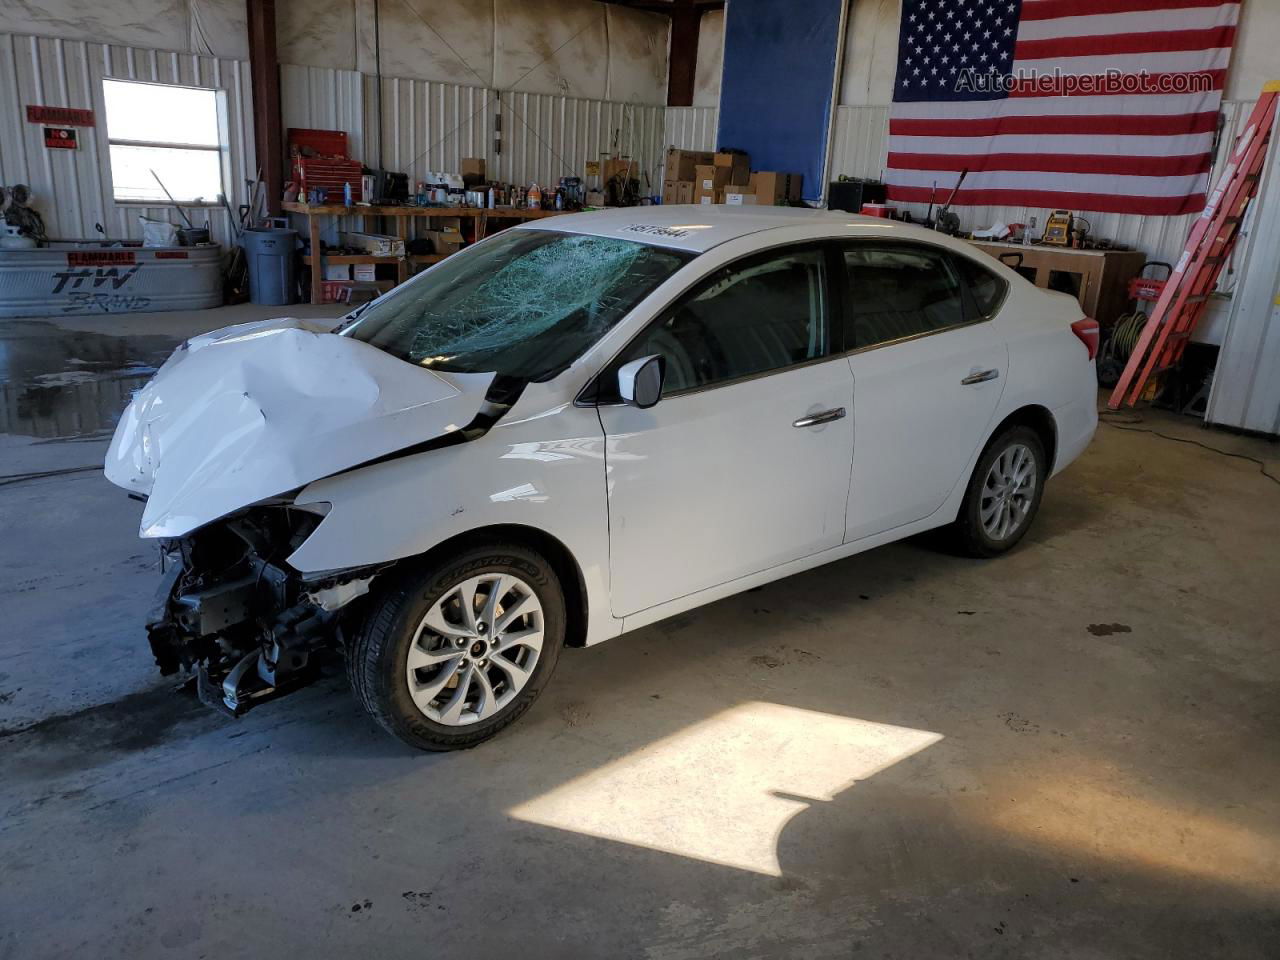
[775, 92]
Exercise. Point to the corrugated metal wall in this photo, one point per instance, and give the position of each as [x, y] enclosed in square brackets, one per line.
[1246, 384]
[861, 150]
[325, 99]
[431, 126]
[692, 128]
[547, 137]
[426, 126]
[73, 188]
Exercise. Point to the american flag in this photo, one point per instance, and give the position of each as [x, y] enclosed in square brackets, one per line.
[1096, 105]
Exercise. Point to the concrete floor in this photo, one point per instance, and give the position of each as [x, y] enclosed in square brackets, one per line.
[1070, 751]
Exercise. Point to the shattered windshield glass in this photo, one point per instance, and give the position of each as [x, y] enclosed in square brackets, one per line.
[524, 304]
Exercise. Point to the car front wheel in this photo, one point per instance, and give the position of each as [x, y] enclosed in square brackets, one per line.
[450, 655]
[1004, 493]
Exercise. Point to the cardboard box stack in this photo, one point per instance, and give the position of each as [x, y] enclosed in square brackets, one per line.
[680, 174]
[725, 172]
[738, 166]
[695, 176]
[708, 183]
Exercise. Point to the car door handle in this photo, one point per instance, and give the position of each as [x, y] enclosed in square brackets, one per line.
[982, 377]
[817, 419]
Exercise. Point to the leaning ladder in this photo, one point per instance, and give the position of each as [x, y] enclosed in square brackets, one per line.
[1212, 238]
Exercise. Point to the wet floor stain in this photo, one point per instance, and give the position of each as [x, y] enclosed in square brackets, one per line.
[57, 383]
[1108, 629]
[137, 721]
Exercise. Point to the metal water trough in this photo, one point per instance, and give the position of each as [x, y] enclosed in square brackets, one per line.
[71, 277]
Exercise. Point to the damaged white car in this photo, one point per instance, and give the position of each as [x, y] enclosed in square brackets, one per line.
[578, 427]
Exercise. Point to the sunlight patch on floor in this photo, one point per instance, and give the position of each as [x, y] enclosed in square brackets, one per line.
[722, 790]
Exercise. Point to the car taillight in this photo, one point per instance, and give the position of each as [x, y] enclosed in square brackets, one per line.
[1086, 329]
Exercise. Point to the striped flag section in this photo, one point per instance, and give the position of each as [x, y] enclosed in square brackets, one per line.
[1095, 105]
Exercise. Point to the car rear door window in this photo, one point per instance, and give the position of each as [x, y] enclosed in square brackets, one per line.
[897, 291]
[758, 315]
[986, 290]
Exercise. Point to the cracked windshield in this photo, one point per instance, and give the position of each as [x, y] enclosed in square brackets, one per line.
[525, 304]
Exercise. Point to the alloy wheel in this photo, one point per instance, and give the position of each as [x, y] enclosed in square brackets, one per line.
[1008, 492]
[475, 649]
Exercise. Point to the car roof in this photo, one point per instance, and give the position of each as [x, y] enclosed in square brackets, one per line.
[699, 227]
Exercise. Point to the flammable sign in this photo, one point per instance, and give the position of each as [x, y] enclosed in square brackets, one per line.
[60, 138]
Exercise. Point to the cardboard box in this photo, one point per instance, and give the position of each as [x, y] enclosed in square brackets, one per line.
[710, 198]
[378, 244]
[443, 242]
[709, 178]
[680, 163]
[445, 234]
[622, 167]
[737, 167]
[772, 188]
[677, 191]
[734, 198]
[473, 171]
[364, 272]
[337, 272]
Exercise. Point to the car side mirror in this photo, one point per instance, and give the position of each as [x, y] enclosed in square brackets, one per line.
[640, 381]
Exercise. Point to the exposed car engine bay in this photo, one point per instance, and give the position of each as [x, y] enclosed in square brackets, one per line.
[230, 610]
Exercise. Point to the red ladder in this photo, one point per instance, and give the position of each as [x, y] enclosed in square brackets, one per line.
[1209, 245]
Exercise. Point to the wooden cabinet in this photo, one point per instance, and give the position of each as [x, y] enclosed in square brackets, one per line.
[1099, 279]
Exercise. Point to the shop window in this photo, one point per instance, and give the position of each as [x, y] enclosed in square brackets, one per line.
[168, 132]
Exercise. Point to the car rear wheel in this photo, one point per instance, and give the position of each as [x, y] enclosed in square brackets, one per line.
[449, 656]
[1004, 493]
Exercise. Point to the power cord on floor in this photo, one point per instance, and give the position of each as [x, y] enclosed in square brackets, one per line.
[8, 478]
[1112, 420]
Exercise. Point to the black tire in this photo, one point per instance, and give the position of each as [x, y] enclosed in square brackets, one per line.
[972, 538]
[377, 657]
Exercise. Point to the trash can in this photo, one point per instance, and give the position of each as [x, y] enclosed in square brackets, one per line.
[268, 251]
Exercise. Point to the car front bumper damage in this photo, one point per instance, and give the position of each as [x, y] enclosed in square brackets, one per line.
[250, 628]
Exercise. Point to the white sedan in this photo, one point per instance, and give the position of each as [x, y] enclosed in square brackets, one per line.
[576, 428]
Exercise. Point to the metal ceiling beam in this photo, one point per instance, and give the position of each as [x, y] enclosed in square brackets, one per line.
[264, 74]
[682, 63]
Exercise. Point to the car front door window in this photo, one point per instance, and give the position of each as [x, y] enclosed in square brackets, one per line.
[746, 319]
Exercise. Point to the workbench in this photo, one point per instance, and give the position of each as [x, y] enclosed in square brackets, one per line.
[402, 216]
[1099, 279]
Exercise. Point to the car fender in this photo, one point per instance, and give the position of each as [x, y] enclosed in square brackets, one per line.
[542, 466]
[1049, 367]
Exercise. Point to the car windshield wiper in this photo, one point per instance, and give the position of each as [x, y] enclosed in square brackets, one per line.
[354, 315]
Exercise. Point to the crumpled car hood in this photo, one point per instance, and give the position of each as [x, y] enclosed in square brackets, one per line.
[256, 410]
